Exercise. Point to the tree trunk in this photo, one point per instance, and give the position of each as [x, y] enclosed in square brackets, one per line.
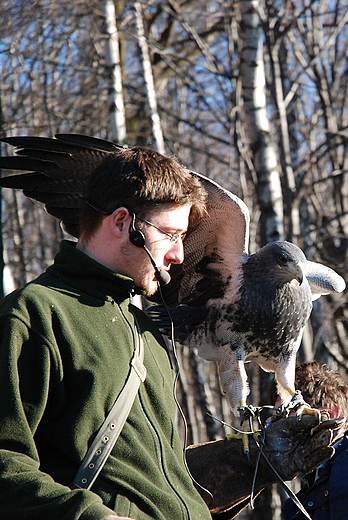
[148, 76]
[264, 159]
[117, 120]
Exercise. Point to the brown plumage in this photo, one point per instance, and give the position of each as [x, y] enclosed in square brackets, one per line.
[60, 169]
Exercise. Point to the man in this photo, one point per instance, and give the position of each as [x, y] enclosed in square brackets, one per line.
[67, 340]
[324, 493]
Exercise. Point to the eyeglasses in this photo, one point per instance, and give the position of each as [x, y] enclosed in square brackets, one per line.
[172, 237]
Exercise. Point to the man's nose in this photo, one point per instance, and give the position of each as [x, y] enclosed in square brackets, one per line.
[176, 252]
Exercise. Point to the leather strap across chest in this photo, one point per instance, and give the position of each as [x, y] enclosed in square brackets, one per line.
[109, 432]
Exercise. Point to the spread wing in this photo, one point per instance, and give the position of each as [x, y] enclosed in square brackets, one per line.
[59, 169]
[214, 251]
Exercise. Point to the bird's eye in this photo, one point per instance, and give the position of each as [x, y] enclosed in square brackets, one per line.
[282, 259]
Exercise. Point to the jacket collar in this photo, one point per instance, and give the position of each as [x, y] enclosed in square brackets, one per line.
[77, 269]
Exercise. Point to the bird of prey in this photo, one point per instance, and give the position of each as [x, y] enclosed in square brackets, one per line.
[259, 314]
[231, 306]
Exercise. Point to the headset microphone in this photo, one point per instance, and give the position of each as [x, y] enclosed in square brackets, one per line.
[162, 276]
[137, 238]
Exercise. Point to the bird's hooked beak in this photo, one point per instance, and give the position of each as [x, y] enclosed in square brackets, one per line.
[295, 270]
[299, 274]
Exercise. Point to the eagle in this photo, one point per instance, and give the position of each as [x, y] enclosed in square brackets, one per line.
[231, 306]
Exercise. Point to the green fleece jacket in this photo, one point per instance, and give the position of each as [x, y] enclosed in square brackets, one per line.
[66, 342]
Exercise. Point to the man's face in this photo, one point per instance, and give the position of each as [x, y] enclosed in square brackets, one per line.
[172, 220]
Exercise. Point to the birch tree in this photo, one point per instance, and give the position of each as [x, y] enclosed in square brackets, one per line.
[263, 156]
[148, 76]
[117, 117]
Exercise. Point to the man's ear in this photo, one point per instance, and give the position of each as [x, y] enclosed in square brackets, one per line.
[120, 221]
[335, 412]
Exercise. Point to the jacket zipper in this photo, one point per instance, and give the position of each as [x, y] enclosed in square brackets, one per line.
[156, 436]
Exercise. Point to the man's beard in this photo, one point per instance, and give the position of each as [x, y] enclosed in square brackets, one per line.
[142, 271]
[146, 291]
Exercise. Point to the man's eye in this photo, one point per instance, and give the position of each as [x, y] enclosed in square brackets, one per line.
[177, 236]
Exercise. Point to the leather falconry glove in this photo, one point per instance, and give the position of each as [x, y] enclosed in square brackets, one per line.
[290, 447]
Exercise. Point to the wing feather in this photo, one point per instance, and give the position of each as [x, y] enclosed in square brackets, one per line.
[214, 250]
[59, 171]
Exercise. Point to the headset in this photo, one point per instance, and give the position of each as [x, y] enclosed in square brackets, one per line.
[137, 238]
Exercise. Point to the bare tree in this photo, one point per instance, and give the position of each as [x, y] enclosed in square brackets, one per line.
[148, 76]
[117, 119]
[262, 151]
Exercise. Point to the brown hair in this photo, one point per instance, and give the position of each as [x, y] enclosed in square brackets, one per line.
[321, 387]
[140, 179]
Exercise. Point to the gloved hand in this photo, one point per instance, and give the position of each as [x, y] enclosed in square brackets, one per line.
[296, 446]
[291, 446]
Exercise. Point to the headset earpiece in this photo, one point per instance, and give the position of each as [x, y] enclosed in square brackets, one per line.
[136, 236]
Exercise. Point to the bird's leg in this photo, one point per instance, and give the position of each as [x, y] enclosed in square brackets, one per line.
[234, 384]
[246, 415]
[285, 377]
[232, 374]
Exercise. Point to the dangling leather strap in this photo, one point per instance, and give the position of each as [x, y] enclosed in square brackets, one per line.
[107, 436]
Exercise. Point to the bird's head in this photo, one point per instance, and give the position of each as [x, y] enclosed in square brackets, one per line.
[285, 260]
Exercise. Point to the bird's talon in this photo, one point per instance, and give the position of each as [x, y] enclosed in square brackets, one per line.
[305, 409]
[243, 436]
[298, 405]
[246, 415]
